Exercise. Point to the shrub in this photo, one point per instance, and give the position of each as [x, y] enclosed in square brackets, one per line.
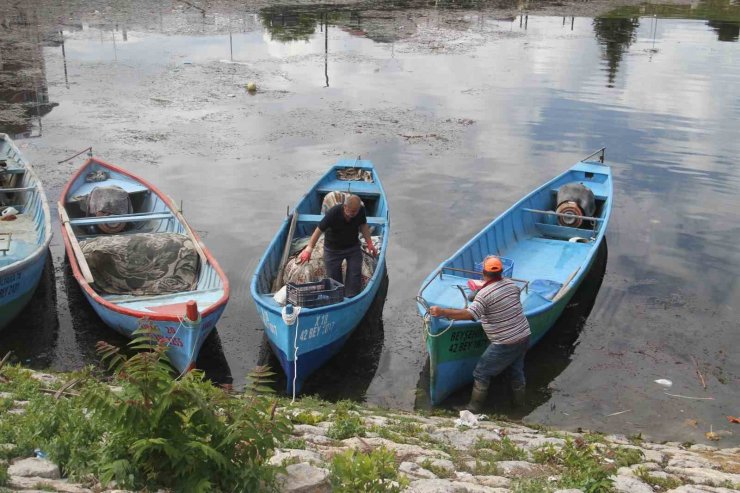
[346, 425]
[373, 472]
[3, 474]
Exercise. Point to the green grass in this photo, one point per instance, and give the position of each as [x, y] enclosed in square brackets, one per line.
[498, 450]
[532, 485]
[346, 425]
[657, 483]
[440, 472]
[373, 472]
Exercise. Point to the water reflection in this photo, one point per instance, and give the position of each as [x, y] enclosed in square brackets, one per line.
[349, 373]
[545, 361]
[616, 35]
[32, 335]
[24, 95]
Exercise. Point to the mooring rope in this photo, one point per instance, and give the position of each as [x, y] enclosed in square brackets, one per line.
[290, 319]
[427, 318]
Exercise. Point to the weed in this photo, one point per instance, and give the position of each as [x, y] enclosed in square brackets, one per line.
[583, 468]
[3, 474]
[594, 437]
[625, 457]
[346, 425]
[42, 486]
[545, 454]
[658, 483]
[531, 485]
[503, 449]
[485, 467]
[439, 471]
[306, 418]
[294, 443]
[374, 472]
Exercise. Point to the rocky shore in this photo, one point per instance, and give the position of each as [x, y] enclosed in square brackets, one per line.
[431, 454]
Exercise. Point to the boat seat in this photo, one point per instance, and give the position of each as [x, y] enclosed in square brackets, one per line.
[594, 187]
[14, 190]
[564, 233]
[545, 288]
[316, 218]
[361, 188]
[121, 218]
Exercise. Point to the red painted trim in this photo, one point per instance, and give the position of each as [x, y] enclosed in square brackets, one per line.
[90, 291]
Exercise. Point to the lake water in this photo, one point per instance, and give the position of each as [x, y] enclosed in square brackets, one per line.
[462, 111]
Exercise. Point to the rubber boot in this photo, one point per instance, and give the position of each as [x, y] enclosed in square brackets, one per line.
[518, 396]
[477, 398]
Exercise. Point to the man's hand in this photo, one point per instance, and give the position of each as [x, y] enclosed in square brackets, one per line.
[435, 311]
[305, 255]
[371, 248]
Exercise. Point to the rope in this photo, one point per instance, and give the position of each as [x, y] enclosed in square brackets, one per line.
[290, 320]
[169, 343]
[427, 318]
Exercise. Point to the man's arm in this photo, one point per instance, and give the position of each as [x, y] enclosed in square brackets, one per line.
[365, 230]
[305, 255]
[451, 313]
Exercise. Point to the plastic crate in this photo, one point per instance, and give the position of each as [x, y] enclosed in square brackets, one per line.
[313, 294]
[507, 263]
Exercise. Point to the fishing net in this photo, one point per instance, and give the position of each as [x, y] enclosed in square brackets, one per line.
[142, 263]
[314, 269]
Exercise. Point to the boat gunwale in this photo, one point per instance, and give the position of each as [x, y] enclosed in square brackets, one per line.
[380, 267]
[168, 202]
[41, 247]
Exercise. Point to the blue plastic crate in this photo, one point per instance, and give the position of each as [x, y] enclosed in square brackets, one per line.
[507, 263]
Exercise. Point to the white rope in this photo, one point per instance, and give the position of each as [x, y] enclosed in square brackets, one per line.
[169, 343]
[427, 319]
[290, 320]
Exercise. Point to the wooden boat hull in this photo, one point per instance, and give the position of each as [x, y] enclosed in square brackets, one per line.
[320, 336]
[185, 338]
[544, 252]
[164, 313]
[22, 263]
[318, 333]
[18, 285]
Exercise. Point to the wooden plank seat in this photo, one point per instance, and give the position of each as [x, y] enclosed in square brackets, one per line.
[596, 188]
[356, 187]
[121, 218]
[15, 190]
[316, 218]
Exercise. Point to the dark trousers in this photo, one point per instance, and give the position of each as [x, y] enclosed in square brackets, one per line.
[499, 357]
[333, 263]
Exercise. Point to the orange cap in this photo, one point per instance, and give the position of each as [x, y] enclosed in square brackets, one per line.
[492, 264]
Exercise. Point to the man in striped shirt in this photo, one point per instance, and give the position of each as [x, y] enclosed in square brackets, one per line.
[499, 310]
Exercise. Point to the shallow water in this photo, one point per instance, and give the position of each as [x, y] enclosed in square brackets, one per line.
[462, 112]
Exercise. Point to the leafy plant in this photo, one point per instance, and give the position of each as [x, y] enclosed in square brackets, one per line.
[260, 380]
[531, 485]
[346, 425]
[503, 449]
[625, 457]
[184, 434]
[440, 472]
[658, 483]
[546, 454]
[306, 418]
[374, 472]
[584, 468]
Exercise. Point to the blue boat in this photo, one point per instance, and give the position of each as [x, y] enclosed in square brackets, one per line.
[547, 253]
[318, 333]
[24, 241]
[181, 318]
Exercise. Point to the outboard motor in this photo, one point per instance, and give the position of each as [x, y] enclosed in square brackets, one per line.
[575, 199]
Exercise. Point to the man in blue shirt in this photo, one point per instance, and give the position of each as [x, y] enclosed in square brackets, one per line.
[341, 225]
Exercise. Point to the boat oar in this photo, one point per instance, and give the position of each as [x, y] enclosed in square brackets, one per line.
[286, 253]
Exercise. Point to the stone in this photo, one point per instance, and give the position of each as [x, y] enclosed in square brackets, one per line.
[447, 486]
[402, 451]
[630, 484]
[324, 425]
[533, 443]
[376, 421]
[463, 440]
[700, 488]
[44, 377]
[304, 478]
[567, 491]
[415, 471]
[690, 461]
[318, 440]
[445, 464]
[619, 439]
[493, 481]
[654, 456]
[60, 485]
[703, 448]
[34, 467]
[520, 468]
[704, 476]
[288, 455]
[308, 430]
[6, 395]
[465, 477]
